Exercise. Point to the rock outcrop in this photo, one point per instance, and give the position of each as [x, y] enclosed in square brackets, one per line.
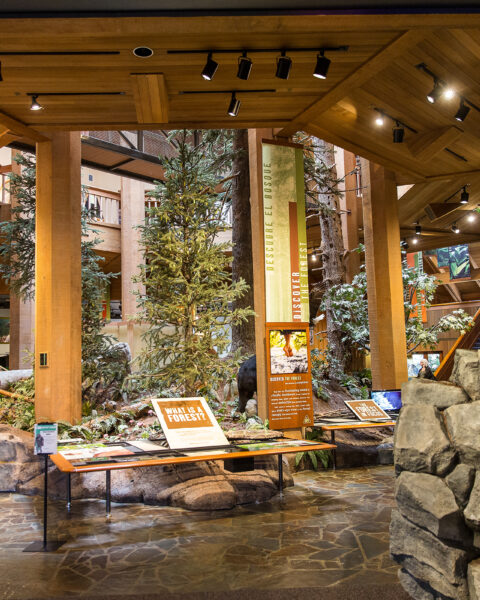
[435, 531]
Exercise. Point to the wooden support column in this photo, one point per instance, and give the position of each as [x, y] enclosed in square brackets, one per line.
[350, 219]
[21, 314]
[133, 214]
[58, 324]
[255, 137]
[384, 277]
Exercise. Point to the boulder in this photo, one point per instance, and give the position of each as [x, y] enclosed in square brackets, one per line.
[251, 408]
[440, 394]
[472, 511]
[421, 444]
[463, 424]
[460, 481]
[466, 372]
[18, 465]
[427, 559]
[427, 501]
[474, 579]
[413, 587]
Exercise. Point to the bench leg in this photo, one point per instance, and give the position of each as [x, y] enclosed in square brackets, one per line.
[280, 473]
[69, 492]
[108, 500]
[334, 451]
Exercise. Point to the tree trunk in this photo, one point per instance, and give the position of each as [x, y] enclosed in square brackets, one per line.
[243, 335]
[332, 250]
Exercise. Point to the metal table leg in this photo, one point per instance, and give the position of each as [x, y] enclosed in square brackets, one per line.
[108, 501]
[334, 451]
[69, 491]
[280, 473]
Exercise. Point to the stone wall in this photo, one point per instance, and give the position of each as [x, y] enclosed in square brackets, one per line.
[435, 530]
[195, 486]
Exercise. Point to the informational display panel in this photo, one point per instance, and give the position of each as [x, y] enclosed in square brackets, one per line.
[286, 268]
[289, 380]
[45, 437]
[188, 423]
[366, 410]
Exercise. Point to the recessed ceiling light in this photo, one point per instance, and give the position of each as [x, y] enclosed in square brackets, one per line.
[143, 52]
[380, 121]
[472, 217]
[448, 93]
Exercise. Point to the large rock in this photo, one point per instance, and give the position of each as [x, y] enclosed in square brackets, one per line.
[18, 465]
[474, 579]
[460, 481]
[466, 372]
[472, 511]
[425, 557]
[413, 587]
[463, 424]
[440, 394]
[421, 444]
[428, 502]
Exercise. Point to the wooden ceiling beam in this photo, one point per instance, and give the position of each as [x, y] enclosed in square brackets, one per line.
[427, 145]
[151, 98]
[8, 138]
[19, 129]
[360, 76]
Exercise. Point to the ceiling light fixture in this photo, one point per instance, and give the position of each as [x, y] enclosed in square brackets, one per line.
[464, 196]
[1, 78]
[414, 240]
[472, 217]
[244, 66]
[448, 93]
[284, 65]
[143, 52]
[462, 111]
[418, 229]
[35, 105]
[210, 68]
[398, 133]
[435, 94]
[380, 120]
[455, 228]
[322, 66]
[314, 257]
[234, 105]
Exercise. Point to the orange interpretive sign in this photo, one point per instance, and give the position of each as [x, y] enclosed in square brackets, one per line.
[289, 380]
[367, 410]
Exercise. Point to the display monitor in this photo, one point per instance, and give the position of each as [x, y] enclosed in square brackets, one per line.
[388, 399]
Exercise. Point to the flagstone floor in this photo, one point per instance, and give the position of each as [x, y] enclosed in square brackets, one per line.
[331, 528]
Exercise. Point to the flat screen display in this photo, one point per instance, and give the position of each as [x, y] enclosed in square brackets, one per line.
[388, 399]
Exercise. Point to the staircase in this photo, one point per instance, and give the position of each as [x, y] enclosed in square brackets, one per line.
[468, 341]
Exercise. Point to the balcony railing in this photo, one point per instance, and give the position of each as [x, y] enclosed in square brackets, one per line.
[103, 209]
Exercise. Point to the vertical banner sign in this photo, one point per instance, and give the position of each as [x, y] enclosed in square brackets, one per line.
[289, 375]
[286, 266]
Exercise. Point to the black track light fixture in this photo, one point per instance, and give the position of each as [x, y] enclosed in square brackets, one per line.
[210, 68]
[234, 105]
[244, 66]
[322, 66]
[455, 228]
[462, 111]
[435, 94]
[284, 64]
[418, 229]
[404, 246]
[398, 133]
[35, 105]
[464, 196]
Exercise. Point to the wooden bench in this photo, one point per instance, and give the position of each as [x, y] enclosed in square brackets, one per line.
[229, 454]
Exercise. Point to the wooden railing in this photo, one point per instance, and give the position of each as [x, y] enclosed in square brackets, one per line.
[464, 342]
[103, 208]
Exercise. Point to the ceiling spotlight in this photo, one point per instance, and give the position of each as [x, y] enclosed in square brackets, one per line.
[448, 93]
[234, 106]
[314, 257]
[210, 68]
[244, 66]
[434, 95]
[464, 196]
[418, 229]
[472, 217]
[284, 64]
[35, 105]
[322, 66]
[404, 245]
[398, 133]
[455, 228]
[380, 120]
[462, 111]
[414, 240]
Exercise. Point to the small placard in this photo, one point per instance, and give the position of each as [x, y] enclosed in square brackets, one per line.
[45, 438]
[188, 423]
[367, 410]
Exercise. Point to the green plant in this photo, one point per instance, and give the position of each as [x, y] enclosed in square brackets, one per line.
[314, 457]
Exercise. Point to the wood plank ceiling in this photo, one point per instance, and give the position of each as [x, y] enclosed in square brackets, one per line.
[377, 71]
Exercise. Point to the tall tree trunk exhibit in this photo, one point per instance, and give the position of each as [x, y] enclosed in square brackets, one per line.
[332, 248]
[243, 335]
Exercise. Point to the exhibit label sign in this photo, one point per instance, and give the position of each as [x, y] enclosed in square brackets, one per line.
[45, 438]
[367, 410]
[188, 423]
[289, 382]
[286, 266]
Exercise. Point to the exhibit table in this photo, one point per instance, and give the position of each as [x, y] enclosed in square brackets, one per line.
[108, 457]
[343, 424]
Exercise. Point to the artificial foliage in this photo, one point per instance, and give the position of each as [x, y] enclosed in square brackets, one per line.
[350, 312]
[17, 267]
[189, 299]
